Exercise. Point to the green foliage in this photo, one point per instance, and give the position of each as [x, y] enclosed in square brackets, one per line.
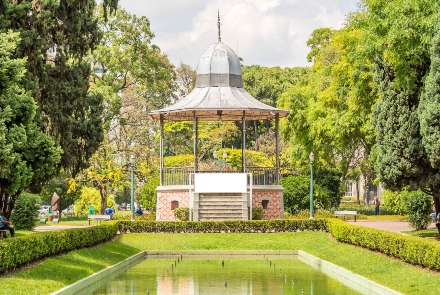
[267, 84]
[405, 71]
[414, 250]
[181, 213]
[394, 201]
[419, 206]
[23, 250]
[318, 40]
[89, 197]
[25, 211]
[326, 191]
[327, 188]
[126, 215]
[57, 74]
[237, 226]
[184, 160]
[331, 105]
[59, 185]
[305, 214]
[28, 157]
[365, 210]
[429, 106]
[148, 194]
[257, 213]
[296, 193]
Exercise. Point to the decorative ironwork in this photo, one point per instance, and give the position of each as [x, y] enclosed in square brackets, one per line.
[177, 175]
[180, 175]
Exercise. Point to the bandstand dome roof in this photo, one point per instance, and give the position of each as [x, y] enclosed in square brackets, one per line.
[219, 92]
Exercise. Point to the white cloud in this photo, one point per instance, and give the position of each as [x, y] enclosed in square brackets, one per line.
[266, 32]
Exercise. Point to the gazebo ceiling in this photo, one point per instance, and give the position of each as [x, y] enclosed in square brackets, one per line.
[219, 92]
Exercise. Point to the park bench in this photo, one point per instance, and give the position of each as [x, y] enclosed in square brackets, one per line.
[99, 217]
[346, 213]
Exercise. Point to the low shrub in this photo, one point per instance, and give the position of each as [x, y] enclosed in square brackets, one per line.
[25, 213]
[241, 226]
[305, 214]
[414, 250]
[366, 210]
[25, 249]
[126, 215]
[181, 213]
[257, 212]
[419, 207]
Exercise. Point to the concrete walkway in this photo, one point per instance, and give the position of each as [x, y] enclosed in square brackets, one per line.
[390, 225]
[57, 227]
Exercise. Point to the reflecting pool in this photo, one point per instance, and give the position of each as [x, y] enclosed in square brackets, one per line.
[224, 275]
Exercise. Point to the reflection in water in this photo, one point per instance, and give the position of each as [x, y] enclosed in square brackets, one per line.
[271, 275]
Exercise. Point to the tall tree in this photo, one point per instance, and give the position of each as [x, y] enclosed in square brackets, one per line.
[27, 156]
[331, 105]
[56, 36]
[406, 72]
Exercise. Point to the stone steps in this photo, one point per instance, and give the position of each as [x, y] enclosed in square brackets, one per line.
[214, 207]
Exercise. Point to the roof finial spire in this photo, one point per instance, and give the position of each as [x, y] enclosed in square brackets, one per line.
[218, 26]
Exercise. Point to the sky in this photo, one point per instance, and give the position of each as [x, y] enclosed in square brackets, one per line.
[263, 32]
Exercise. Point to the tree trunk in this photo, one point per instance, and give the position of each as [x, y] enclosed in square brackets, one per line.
[357, 192]
[436, 198]
[103, 194]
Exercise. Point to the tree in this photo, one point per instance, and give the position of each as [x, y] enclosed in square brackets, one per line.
[318, 40]
[126, 60]
[186, 79]
[134, 77]
[27, 156]
[331, 105]
[405, 71]
[61, 186]
[25, 211]
[56, 38]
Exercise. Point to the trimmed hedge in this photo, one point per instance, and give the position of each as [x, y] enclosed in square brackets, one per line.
[414, 250]
[15, 252]
[240, 226]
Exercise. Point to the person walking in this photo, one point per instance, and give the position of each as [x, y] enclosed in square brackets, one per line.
[376, 203]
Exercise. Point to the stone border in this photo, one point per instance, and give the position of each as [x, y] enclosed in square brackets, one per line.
[88, 284]
[345, 276]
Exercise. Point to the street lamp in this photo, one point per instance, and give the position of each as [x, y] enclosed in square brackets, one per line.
[132, 161]
[220, 161]
[312, 159]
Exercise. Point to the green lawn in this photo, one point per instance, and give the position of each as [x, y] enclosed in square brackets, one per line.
[52, 274]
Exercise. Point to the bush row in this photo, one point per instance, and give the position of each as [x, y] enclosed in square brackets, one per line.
[240, 226]
[18, 251]
[414, 250]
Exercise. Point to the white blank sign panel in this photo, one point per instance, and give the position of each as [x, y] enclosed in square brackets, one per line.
[220, 183]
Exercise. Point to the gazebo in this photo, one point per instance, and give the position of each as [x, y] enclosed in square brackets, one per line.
[219, 96]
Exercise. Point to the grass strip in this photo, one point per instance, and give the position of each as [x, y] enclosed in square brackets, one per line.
[54, 273]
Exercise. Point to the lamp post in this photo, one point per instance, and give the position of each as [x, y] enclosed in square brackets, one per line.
[312, 159]
[132, 161]
[220, 161]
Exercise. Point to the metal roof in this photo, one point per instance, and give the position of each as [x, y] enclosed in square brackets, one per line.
[219, 93]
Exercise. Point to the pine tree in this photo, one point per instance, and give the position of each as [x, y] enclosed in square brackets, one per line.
[56, 38]
[27, 156]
